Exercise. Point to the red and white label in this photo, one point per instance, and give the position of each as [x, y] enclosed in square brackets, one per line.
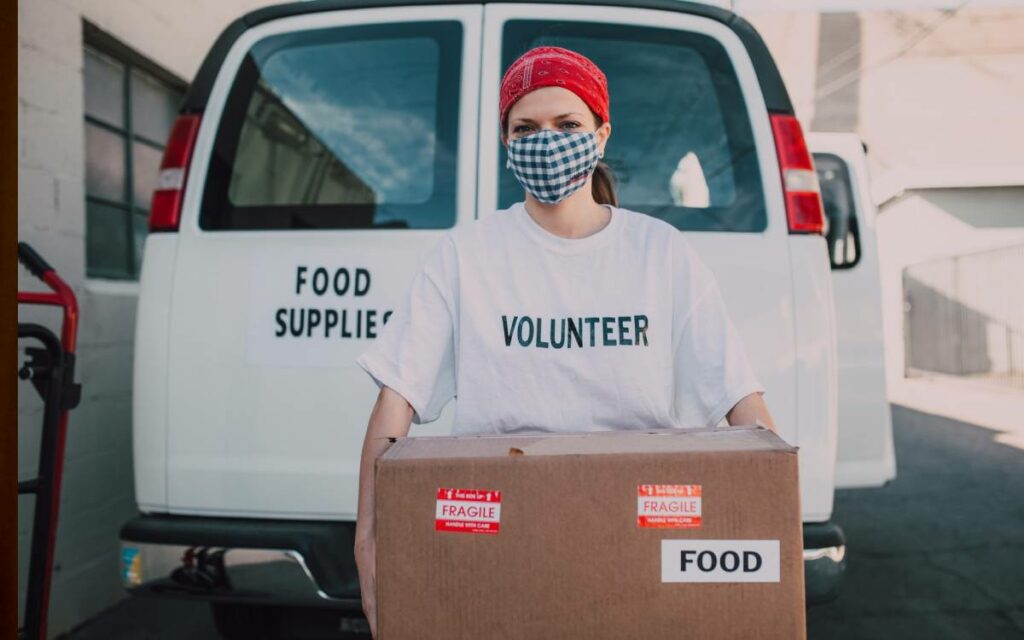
[668, 506]
[468, 510]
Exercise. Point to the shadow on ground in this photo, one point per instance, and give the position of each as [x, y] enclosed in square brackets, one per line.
[936, 555]
[939, 553]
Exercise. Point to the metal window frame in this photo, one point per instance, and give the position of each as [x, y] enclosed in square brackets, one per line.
[100, 42]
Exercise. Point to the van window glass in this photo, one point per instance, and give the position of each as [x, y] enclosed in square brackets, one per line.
[130, 105]
[340, 128]
[681, 147]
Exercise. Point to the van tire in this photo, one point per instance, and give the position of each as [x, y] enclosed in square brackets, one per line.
[247, 621]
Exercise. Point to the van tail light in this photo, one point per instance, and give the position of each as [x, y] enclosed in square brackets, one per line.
[804, 210]
[165, 208]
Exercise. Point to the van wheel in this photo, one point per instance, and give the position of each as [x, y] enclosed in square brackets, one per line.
[247, 621]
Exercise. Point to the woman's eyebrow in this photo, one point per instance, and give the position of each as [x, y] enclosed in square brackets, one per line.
[571, 113]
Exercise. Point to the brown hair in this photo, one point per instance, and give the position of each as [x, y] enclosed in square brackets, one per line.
[602, 183]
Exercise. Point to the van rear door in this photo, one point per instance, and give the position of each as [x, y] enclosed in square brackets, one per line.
[865, 453]
[692, 144]
[335, 149]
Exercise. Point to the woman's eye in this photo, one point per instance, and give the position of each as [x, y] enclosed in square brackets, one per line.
[525, 127]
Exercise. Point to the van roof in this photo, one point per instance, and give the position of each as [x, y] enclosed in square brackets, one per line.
[774, 90]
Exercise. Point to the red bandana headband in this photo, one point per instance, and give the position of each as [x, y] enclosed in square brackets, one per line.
[553, 66]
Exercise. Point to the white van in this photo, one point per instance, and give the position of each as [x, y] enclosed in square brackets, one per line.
[321, 151]
[866, 453]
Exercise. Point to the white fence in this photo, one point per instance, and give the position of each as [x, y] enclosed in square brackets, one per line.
[964, 316]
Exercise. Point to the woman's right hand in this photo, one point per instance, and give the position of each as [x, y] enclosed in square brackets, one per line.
[390, 418]
[366, 552]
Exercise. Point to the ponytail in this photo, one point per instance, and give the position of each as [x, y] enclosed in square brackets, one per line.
[603, 181]
[603, 185]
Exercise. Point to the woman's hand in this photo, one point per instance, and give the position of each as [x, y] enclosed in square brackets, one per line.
[366, 553]
[751, 410]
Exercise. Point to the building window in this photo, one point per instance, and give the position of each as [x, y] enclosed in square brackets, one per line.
[129, 111]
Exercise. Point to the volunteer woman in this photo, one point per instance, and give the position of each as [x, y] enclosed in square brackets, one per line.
[562, 313]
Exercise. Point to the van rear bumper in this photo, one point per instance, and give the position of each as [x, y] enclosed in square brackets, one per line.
[283, 562]
[311, 563]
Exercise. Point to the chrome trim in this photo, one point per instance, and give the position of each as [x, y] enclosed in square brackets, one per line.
[266, 574]
[298, 557]
[835, 554]
[823, 572]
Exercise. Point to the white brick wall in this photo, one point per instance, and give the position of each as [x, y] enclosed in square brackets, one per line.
[98, 492]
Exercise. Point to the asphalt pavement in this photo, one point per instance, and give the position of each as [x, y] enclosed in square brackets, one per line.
[938, 554]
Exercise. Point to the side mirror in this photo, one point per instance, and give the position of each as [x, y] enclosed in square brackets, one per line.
[841, 230]
[844, 243]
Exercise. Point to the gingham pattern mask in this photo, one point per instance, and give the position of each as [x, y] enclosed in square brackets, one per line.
[552, 165]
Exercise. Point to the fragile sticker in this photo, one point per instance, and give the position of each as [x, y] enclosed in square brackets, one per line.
[468, 510]
[668, 506]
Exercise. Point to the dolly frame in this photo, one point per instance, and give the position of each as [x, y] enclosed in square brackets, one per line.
[51, 369]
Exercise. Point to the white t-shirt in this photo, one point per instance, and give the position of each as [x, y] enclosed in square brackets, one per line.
[623, 329]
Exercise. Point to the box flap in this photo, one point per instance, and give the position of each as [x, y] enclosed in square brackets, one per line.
[738, 438]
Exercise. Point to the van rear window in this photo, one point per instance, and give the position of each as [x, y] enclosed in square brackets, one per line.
[340, 128]
[682, 148]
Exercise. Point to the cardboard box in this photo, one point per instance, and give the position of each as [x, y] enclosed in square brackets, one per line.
[664, 533]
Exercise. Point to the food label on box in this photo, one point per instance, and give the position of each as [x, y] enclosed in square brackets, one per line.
[468, 510]
[668, 506]
[719, 560]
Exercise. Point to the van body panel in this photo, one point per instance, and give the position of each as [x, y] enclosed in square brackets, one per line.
[262, 430]
[778, 294]
[151, 369]
[816, 384]
[866, 454]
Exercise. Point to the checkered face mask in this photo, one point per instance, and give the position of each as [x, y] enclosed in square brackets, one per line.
[552, 165]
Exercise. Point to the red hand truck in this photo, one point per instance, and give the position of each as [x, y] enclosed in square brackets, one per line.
[51, 369]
